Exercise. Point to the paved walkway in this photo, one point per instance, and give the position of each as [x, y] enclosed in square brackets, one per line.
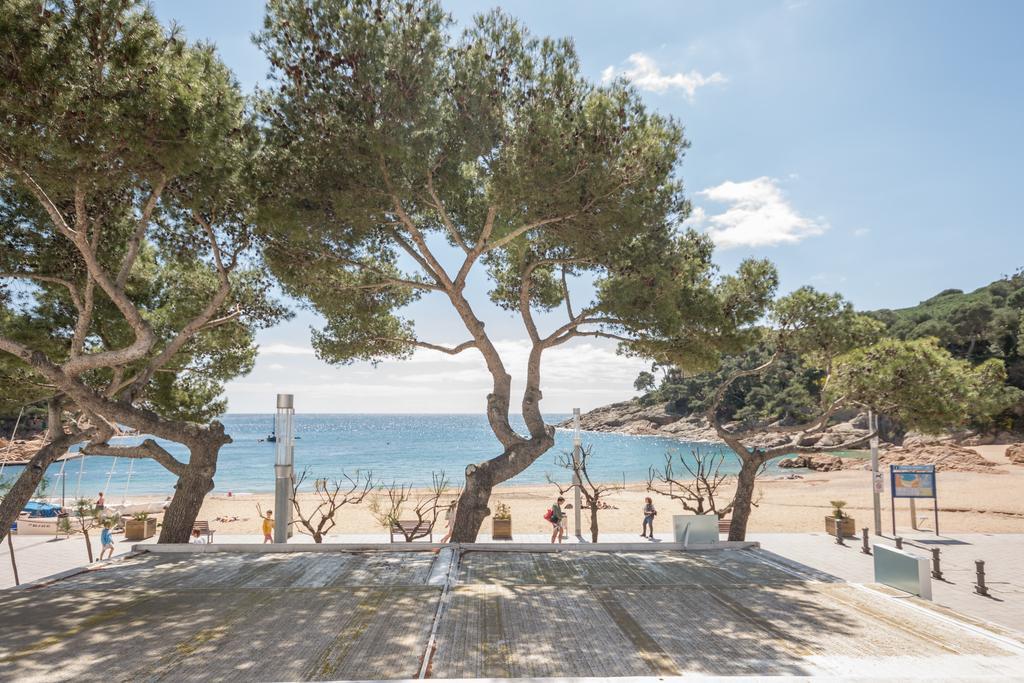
[1003, 555]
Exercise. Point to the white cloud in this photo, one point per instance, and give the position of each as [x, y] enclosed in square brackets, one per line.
[645, 74]
[584, 373]
[284, 349]
[758, 215]
[861, 232]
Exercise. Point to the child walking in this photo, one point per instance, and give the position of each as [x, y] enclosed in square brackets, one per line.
[268, 527]
[107, 541]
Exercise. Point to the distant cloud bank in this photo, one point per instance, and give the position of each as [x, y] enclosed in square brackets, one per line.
[645, 74]
[758, 215]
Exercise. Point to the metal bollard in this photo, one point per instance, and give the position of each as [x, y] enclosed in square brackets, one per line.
[839, 532]
[899, 543]
[866, 549]
[936, 569]
[980, 588]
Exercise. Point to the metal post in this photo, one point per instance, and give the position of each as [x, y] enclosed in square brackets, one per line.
[577, 453]
[899, 543]
[839, 531]
[936, 568]
[913, 515]
[865, 548]
[980, 588]
[14, 565]
[283, 466]
[876, 476]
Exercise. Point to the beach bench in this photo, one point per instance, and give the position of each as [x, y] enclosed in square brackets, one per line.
[723, 526]
[412, 529]
[203, 527]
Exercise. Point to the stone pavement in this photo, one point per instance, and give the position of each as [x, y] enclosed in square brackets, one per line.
[1003, 555]
[498, 611]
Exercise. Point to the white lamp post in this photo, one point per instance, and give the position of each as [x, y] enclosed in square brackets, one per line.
[876, 476]
[284, 465]
[577, 453]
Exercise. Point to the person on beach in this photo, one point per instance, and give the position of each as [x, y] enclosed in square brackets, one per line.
[268, 527]
[449, 519]
[557, 516]
[100, 502]
[649, 513]
[107, 541]
[197, 538]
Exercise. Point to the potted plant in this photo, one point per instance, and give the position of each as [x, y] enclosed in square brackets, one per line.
[140, 527]
[847, 525]
[501, 523]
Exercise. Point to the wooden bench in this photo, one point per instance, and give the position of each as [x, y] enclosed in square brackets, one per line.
[723, 526]
[203, 527]
[412, 529]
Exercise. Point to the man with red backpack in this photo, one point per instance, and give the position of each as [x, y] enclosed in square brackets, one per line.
[556, 517]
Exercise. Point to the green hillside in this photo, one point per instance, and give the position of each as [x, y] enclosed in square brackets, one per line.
[985, 323]
[979, 325]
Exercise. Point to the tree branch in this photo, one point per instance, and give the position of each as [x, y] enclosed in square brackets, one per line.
[450, 350]
[445, 218]
[147, 449]
[140, 231]
[497, 244]
[70, 286]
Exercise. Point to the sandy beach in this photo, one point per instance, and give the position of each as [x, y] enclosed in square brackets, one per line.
[968, 502]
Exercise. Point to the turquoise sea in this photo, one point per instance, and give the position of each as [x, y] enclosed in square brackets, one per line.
[399, 448]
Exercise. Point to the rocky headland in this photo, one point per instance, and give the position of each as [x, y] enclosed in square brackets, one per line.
[948, 452]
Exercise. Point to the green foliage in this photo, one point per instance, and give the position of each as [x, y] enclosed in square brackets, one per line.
[791, 390]
[920, 384]
[978, 325]
[837, 508]
[100, 100]
[384, 124]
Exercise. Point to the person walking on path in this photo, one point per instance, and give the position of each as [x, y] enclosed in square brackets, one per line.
[557, 531]
[649, 513]
[449, 517]
[268, 527]
[107, 541]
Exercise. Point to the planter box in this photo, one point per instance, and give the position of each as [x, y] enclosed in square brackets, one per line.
[847, 526]
[139, 529]
[501, 529]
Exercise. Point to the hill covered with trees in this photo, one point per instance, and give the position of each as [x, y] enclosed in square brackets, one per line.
[987, 323]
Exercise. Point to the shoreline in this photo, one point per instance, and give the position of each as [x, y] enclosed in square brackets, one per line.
[980, 502]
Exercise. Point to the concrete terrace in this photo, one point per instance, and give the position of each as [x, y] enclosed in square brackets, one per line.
[331, 613]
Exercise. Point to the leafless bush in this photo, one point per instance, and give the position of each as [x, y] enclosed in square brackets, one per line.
[332, 495]
[396, 504]
[700, 493]
[591, 492]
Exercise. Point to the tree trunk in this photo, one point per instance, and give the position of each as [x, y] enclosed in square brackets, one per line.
[472, 508]
[593, 521]
[25, 486]
[88, 543]
[189, 493]
[481, 479]
[744, 495]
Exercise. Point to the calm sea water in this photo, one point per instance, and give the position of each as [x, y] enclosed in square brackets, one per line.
[400, 448]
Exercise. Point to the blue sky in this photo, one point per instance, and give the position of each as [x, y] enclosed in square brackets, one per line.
[865, 147]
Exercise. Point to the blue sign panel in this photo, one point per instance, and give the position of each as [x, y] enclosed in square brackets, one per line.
[912, 481]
